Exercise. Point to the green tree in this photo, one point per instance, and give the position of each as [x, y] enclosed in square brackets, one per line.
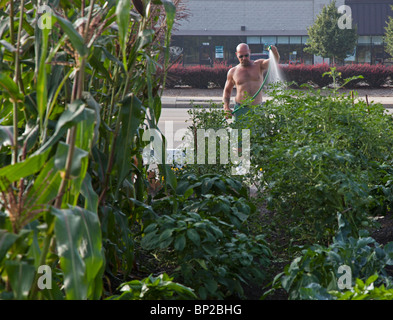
[329, 39]
[388, 39]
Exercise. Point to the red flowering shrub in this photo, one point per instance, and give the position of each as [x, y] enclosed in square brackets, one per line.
[197, 76]
[302, 73]
[203, 76]
[374, 75]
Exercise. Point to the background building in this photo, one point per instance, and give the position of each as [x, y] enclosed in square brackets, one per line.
[370, 18]
[215, 27]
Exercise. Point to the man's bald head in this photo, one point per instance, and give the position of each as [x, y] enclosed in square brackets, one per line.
[242, 47]
[243, 54]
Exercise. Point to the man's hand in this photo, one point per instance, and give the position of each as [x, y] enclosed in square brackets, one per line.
[275, 52]
[228, 113]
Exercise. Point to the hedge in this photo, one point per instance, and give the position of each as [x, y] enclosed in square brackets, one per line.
[375, 76]
[200, 77]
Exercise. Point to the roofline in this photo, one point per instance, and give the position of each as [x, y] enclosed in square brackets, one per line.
[239, 33]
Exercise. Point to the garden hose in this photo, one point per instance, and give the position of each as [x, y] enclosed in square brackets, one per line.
[255, 95]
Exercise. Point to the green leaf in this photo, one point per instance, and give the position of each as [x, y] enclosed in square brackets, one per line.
[10, 87]
[14, 172]
[91, 197]
[180, 242]
[92, 251]
[70, 117]
[150, 241]
[193, 235]
[21, 276]
[61, 159]
[34, 249]
[86, 131]
[7, 239]
[165, 243]
[211, 285]
[69, 232]
[170, 10]
[371, 279]
[73, 35]
[92, 121]
[113, 58]
[97, 64]
[166, 234]
[123, 19]
[130, 118]
[169, 176]
[210, 249]
[389, 253]
[202, 263]
[42, 89]
[45, 187]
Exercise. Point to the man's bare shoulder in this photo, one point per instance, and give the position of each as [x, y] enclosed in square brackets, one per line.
[262, 63]
[233, 69]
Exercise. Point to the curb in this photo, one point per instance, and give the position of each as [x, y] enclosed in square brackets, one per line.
[188, 102]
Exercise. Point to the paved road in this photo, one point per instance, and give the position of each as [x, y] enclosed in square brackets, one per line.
[174, 121]
[174, 116]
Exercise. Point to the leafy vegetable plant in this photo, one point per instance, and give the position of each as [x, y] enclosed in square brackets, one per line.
[316, 153]
[205, 238]
[317, 271]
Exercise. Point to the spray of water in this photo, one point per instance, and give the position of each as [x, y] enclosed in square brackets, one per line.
[275, 74]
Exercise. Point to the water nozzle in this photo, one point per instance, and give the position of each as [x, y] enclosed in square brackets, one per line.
[269, 48]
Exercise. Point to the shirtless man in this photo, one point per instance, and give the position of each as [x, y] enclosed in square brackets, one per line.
[247, 76]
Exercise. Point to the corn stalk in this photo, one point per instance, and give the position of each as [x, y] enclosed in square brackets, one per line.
[64, 79]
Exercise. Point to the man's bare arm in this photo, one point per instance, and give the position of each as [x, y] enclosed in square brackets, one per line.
[229, 84]
[227, 101]
[265, 63]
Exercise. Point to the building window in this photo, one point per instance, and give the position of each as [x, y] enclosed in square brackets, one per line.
[191, 50]
[295, 40]
[268, 40]
[282, 40]
[377, 40]
[364, 40]
[378, 54]
[253, 40]
[364, 49]
[364, 54]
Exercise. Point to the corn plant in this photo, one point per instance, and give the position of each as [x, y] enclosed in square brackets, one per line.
[79, 83]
